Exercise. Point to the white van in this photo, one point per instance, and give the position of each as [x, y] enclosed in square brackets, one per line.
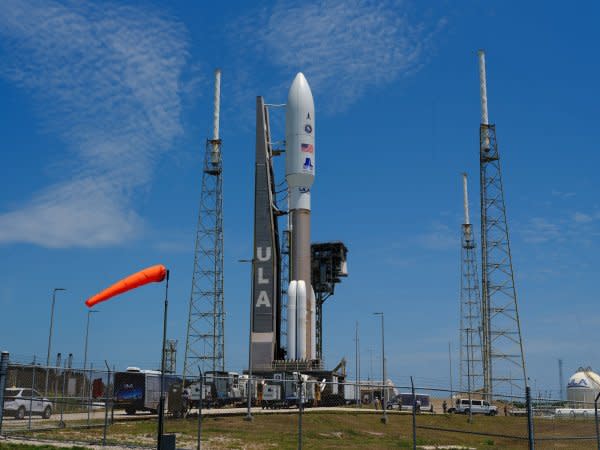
[477, 407]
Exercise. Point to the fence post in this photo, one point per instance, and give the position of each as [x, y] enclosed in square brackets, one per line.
[200, 408]
[596, 417]
[56, 367]
[3, 374]
[106, 405]
[300, 408]
[61, 424]
[31, 394]
[529, 418]
[89, 391]
[414, 413]
[112, 395]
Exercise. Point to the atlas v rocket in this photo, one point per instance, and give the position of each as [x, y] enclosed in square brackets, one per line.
[266, 316]
[300, 174]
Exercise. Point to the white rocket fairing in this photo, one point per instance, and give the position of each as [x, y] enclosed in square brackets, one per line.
[300, 174]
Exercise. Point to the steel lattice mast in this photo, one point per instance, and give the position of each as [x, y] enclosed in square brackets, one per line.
[471, 370]
[205, 341]
[503, 357]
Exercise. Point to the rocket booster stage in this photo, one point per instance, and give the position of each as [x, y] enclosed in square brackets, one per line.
[300, 174]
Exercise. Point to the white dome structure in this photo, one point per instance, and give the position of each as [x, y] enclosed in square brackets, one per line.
[583, 388]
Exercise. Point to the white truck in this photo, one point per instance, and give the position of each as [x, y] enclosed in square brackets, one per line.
[462, 406]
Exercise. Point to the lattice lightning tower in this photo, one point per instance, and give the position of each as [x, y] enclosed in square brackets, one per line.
[205, 341]
[471, 370]
[504, 360]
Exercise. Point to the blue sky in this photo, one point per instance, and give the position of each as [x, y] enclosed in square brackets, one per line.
[104, 113]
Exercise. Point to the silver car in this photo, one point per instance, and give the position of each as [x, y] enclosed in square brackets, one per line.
[19, 402]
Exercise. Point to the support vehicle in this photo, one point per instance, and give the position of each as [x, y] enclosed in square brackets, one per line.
[19, 402]
[139, 390]
[462, 406]
[405, 401]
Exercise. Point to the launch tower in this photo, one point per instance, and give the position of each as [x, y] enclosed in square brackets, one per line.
[205, 341]
[503, 358]
[471, 372]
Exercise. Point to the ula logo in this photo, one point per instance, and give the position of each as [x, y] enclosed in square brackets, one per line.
[580, 383]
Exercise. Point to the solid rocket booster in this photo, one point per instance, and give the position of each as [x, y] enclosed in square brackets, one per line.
[300, 174]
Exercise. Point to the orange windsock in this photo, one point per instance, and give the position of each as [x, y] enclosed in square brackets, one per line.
[152, 274]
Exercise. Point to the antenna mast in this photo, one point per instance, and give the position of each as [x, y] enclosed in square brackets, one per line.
[502, 342]
[205, 341]
[471, 371]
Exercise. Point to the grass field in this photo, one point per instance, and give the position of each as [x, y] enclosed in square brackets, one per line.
[12, 446]
[333, 430]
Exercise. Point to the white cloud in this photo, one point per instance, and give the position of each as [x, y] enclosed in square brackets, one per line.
[440, 237]
[107, 79]
[540, 230]
[580, 217]
[562, 195]
[344, 47]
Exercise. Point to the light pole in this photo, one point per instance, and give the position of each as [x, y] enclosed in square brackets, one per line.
[450, 371]
[249, 413]
[161, 403]
[383, 396]
[50, 335]
[357, 387]
[87, 332]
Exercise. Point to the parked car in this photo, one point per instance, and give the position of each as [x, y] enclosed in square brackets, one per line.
[18, 402]
[462, 406]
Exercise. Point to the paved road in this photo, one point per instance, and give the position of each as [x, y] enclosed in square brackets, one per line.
[97, 416]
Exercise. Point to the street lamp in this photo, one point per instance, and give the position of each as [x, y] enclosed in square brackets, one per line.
[249, 413]
[50, 334]
[87, 391]
[87, 332]
[384, 401]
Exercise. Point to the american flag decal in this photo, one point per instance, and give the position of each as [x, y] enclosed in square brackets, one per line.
[307, 148]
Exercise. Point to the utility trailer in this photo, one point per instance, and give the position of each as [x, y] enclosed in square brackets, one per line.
[283, 389]
[139, 390]
[219, 389]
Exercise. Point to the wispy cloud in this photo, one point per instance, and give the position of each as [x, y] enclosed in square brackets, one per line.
[580, 217]
[107, 79]
[344, 47]
[539, 230]
[439, 237]
[569, 227]
[562, 195]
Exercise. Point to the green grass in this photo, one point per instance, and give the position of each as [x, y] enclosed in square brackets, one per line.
[11, 446]
[333, 430]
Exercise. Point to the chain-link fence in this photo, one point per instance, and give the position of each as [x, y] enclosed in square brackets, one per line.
[283, 410]
[38, 397]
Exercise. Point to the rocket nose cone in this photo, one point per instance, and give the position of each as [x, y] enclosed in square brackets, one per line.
[300, 78]
[300, 83]
[300, 93]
